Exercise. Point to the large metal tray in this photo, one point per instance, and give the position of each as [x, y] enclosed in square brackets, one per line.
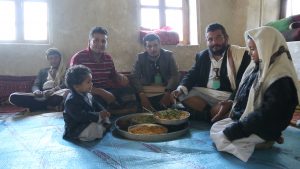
[122, 124]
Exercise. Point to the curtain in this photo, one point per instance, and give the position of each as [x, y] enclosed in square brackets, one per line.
[283, 5]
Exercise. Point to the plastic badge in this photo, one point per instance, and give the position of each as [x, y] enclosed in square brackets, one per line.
[157, 79]
[216, 83]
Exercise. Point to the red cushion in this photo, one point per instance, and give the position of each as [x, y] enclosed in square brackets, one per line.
[10, 84]
[292, 35]
[295, 18]
[167, 37]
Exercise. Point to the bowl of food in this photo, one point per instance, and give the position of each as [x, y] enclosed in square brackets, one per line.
[147, 129]
[171, 116]
[143, 118]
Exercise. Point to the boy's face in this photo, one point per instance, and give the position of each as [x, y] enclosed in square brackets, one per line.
[253, 50]
[86, 86]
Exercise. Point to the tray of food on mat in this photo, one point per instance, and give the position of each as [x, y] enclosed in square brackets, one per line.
[144, 127]
[171, 116]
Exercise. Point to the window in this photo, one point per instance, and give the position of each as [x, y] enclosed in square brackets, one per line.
[24, 21]
[289, 8]
[175, 14]
[292, 7]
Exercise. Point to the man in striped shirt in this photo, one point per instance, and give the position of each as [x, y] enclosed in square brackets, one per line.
[109, 86]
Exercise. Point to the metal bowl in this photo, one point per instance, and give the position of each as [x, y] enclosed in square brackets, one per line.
[172, 121]
[122, 124]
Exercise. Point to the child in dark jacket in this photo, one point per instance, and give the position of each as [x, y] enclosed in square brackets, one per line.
[85, 119]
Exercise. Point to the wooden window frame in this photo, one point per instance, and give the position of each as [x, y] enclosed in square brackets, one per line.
[185, 16]
[19, 11]
[283, 6]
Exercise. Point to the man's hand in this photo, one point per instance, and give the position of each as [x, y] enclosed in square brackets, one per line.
[48, 93]
[122, 80]
[145, 101]
[104, 114]
[166, 100]
[220, 110]
[176, 93]
[38, 93]
[106, 95]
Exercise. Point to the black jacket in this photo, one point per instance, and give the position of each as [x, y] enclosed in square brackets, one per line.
[197, 76]
[271, 117]
[78, 114]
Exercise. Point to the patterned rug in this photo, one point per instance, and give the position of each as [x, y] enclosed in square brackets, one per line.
[34, 140]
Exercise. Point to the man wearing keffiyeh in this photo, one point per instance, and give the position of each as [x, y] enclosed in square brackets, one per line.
[214, 76]
[48, 88]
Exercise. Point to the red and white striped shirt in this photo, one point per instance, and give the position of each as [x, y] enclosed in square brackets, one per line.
[103, 72]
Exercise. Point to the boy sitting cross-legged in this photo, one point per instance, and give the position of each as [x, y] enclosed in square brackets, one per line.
[85, 119]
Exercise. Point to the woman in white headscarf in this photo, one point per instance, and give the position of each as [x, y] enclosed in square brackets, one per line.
[48, 89]
[265, 100]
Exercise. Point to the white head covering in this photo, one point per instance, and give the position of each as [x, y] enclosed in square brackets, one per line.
[237, 55]
[53, 82]
[271, 68]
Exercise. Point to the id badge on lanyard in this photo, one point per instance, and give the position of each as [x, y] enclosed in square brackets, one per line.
[216, 79]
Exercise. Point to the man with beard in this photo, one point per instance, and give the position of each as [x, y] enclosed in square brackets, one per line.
[109, 87]
[215, 75]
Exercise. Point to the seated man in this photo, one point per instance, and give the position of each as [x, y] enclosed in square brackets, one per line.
[48, 89]
[216, 73]
[109, 87]
[154, 74]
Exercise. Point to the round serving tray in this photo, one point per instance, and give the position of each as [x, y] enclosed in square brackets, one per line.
[122, 124]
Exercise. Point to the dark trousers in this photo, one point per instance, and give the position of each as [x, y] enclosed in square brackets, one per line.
[125, 99]
[33, 103]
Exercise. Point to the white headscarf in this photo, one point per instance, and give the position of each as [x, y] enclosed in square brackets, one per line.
[53, 82]
[237, 54]
[268, 41]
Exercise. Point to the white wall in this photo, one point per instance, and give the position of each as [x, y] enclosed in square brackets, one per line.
[72, 20]
[294, 48]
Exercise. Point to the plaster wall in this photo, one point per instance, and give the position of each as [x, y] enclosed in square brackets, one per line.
[71, 21]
